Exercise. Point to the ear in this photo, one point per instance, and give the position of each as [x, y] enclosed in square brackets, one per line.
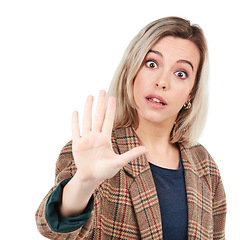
[188, 99]
[191, 96]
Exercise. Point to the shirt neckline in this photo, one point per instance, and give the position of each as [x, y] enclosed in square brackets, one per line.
[166, 171]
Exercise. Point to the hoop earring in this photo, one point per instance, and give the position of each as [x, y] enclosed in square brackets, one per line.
[187, 106]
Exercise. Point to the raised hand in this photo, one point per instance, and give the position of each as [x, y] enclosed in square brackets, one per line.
[93, 155]
[92, 152]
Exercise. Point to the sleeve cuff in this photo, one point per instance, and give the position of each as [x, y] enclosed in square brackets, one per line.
[62, 224]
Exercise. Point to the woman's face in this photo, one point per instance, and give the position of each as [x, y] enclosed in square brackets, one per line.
[165, 80]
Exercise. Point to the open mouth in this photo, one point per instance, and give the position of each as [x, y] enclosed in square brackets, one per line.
[157, 101]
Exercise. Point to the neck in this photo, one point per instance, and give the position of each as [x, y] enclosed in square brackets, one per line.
[156, 138]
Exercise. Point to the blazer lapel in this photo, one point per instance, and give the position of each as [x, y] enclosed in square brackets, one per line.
[142, 191]
[198, 194]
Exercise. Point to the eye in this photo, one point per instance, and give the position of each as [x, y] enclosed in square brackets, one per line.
[181, 74]
[151, 64]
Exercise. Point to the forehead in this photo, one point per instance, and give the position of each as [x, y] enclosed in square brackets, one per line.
[175, 48]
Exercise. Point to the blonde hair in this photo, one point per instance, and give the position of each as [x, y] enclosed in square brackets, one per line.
[189, 123]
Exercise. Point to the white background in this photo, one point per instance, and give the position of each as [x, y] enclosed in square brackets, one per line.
[54, 53]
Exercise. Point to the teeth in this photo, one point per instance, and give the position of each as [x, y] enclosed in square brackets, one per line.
[156, 100]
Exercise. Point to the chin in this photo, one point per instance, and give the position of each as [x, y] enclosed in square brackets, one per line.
[156, 118]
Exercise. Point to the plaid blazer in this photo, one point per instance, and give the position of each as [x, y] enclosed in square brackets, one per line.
[126, 206]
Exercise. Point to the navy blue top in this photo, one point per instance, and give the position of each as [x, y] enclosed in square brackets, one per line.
[171, 191]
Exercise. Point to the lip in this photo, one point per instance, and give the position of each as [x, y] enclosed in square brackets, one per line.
[156, 105]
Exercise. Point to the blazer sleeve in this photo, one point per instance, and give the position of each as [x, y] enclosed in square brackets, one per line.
[219, 211]
[65, 169]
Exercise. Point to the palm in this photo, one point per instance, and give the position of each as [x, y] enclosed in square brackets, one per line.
[93, 153]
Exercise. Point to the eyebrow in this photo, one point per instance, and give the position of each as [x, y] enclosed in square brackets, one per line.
[179, 61]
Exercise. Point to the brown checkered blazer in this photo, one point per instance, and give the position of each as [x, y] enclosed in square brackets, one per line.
[126, 206]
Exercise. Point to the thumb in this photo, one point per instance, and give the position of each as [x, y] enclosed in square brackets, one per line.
[130, 155]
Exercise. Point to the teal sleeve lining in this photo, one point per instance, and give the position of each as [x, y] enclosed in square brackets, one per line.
[61, 224]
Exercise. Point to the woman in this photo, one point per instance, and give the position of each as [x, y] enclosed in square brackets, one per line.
[136, 171]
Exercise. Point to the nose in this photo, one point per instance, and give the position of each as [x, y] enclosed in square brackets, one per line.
[161, 85]
[162, 81]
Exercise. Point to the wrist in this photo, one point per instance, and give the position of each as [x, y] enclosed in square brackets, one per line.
[76, 195]
[86, 183]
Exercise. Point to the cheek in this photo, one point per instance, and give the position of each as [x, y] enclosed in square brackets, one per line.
[180, 97]
[138, 82]
[183, 90]
[139, 85]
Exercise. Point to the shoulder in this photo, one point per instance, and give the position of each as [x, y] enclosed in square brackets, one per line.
[202, 164]
[67, 148]
[65, 165]
[201, 158]
[66, 152]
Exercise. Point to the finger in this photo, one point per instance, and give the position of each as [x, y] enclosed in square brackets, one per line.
[75, 126]
[109, 118]
[130, 155]
[100, 111]
[87, 116]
